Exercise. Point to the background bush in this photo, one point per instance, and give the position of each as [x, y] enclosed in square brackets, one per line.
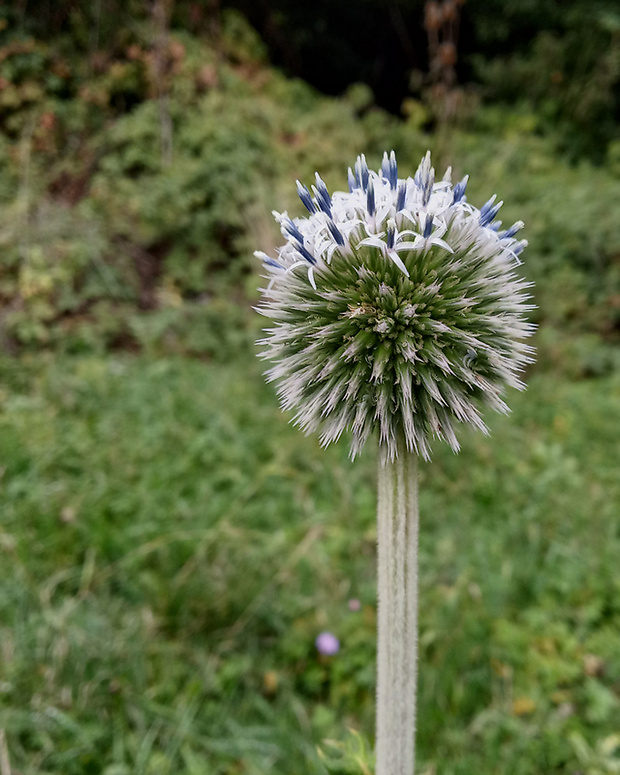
[134, 192]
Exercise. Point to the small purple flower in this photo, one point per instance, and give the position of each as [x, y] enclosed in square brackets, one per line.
[354, 604]
[327, 644]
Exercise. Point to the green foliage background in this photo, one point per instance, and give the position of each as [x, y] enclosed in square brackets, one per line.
[169, 546]
[101, 224]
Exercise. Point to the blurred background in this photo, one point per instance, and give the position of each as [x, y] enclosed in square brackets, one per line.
[170, 548]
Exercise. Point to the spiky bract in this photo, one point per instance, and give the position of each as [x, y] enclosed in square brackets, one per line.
[396, 306]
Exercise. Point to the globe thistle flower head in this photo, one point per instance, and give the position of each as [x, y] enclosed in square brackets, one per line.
[396, 306]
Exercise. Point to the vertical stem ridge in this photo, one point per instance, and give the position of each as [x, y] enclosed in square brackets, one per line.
[397, 539]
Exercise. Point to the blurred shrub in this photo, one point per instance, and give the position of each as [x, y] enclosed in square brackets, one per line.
[569, 79]
[107, 223]
[110, 237]
[194, 209]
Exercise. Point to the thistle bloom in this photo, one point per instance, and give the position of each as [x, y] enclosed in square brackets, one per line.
[396, 306]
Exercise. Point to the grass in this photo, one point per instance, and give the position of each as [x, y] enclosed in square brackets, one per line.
[170, 548]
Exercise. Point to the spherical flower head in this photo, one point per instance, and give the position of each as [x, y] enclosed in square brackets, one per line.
[397, 306]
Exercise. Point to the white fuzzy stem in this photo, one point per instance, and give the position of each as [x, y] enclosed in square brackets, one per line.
[397, 539]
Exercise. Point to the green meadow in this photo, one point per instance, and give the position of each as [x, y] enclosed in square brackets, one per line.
[171, 548]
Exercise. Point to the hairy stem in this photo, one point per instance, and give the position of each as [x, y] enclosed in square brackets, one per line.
[397, 538]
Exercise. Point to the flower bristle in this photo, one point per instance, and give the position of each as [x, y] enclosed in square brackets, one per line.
[396, 307]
